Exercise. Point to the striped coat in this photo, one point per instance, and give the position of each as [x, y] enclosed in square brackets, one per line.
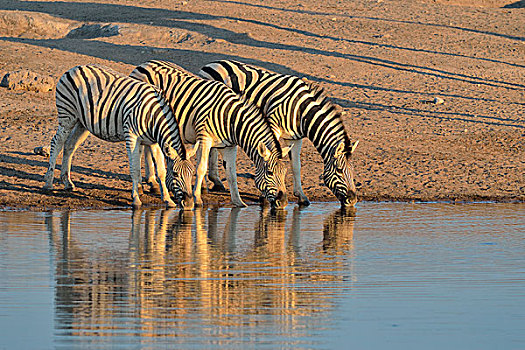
[211, 114]
[295, 110]
[93, 99]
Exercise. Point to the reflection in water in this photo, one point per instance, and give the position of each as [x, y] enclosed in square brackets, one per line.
[338, 231]
[313, 277]
[90, 283]
[215, 276]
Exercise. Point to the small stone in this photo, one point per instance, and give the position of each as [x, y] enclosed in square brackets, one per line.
[42, 151]
[438, 100]
[27, 80]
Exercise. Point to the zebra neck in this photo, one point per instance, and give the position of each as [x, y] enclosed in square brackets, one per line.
[326, 132]
[250, 130]
[166, 133]
[249, 145]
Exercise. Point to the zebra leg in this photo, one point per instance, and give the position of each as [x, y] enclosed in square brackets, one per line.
[229, 155]
[150, 168]
[75, 139]
[295, 159]
[57, 143]
[213, 171]
[141, 153]
[158, 158]
[202, 166]
[133, 149]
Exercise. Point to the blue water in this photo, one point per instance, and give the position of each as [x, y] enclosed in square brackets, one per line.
[395, 276]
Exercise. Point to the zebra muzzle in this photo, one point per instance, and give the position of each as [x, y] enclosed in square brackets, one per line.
[185, 201]
[280, 201]
[349, 200]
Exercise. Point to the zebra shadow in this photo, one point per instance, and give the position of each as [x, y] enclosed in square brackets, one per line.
[11, 171]
[25, 188]
[194, 60]
[441, 115]
[187, 21]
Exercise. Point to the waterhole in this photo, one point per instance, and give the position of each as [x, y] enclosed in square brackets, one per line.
[394, 276]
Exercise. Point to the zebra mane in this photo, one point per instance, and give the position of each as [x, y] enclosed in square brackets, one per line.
[348, 144]
[107, 70]
[255, 67]
[316, 89]
[321, 98]
[175, 67]
[338, 110]
[183, 154]
[165, 102]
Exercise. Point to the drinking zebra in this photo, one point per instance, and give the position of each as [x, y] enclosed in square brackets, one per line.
[295, 109]
[116, 108]
[213, 115]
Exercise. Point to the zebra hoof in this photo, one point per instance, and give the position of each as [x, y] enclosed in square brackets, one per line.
[303, 202]
[137, 203]
[240, 204]
[263, 202]
[154, 188]
[218, 188]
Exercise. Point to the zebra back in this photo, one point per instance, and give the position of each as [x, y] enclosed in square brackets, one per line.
[295, 107]
[110, 105]
[212, 105]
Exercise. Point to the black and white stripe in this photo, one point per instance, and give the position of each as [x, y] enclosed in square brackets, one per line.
[94, 99]
[295, 109]
[215, 116]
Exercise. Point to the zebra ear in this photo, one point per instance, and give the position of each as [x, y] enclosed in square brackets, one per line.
[340, 149]
[191, 152]
[354, 147]
[287, 149]
[264, 152]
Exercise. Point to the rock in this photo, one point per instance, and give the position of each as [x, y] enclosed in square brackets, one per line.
[27, 80]
[90, 31]
[27, 24]
[515, 5]
[438, 101]
[42, 151]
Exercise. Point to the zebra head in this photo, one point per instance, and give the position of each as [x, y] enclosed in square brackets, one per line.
[338, 174]
[179, 176]
[270, 176]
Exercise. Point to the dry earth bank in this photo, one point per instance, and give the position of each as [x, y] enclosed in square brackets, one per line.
[386, 63]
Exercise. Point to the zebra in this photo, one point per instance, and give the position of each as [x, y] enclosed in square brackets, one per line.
[295, 109]
[94, 99]
[215, 116]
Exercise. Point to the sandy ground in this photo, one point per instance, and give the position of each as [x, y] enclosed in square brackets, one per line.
[384, 61]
